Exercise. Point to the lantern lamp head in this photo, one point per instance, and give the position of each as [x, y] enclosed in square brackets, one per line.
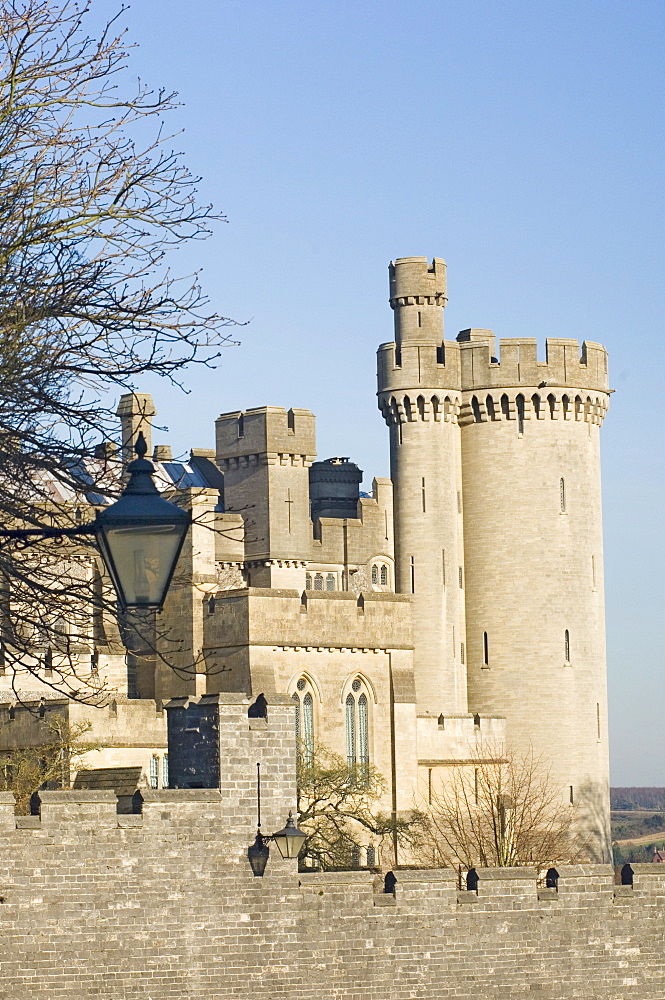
[258, 855]
[140, 537]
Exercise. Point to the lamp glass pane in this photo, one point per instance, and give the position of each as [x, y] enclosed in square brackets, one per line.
[143, 557]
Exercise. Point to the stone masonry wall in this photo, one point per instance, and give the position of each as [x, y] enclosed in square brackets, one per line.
[164, 906]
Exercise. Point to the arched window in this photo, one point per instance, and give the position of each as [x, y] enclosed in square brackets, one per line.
[308, 581]
[375, 575]
[491, 412]
[565, 406]
[551, 400]
[357, 728]
[475, 406]
[304, 717]
[535, 400]
[421, 407]
[562, 495]
[505, 406]
[566, 646]
[330, 581]
[384, 576]
[318, 582]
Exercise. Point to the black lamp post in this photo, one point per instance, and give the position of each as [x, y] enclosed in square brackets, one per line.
[289, 840]
[139, 537]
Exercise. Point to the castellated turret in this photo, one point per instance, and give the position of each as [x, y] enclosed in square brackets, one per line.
[420, 398]
[498, 530]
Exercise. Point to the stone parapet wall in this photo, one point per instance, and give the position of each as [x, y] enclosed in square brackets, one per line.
[164, 906]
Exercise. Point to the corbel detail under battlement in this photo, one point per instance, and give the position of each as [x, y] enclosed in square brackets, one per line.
[424, 405]
[543, 403]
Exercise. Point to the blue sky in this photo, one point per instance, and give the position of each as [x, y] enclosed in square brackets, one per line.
[521, 141]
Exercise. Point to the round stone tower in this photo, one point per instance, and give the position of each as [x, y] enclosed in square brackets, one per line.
[418, 390]
[533, 557]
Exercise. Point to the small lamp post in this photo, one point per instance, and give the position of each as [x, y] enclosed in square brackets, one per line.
[289, 840]
[140, 537]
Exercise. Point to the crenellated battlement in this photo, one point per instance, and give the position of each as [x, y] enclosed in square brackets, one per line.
[565, 364]
[164, 904]
[266, 434]
[413, 280]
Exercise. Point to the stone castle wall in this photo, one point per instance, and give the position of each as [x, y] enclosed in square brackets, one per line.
[164, 906]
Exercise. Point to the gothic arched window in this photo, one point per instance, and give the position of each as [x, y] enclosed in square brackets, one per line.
[375, 575]
[384, 576]
[330, 581]
[318, 582]
[304, 717]
[308, 581]
[357, 728]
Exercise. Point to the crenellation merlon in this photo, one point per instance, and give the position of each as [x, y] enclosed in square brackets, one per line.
[565, 365]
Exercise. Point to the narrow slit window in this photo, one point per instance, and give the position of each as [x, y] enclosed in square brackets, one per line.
[572, 796]
[413, 575]
[420, 318]
[486, 650]
[562, 495]
[475, 785]
[461, 578]
[519, 402]
[422, 490]
[241, 426]
[598, 721]
[461, 652]
[566, 646]
[443, 566]
[429, 785]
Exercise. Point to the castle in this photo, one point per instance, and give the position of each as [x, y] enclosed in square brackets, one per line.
[461, 601]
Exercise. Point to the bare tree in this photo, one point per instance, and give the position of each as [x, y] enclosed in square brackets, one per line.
[500, 810]
[338, 808]
[24, 771]
[91, 214]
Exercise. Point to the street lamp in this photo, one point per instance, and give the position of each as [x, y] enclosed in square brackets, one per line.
[139, 537]
[289, 840]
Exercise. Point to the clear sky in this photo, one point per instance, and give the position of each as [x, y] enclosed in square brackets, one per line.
[523, 142]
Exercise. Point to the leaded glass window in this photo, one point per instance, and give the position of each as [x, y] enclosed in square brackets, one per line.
[165, 771]
[154, 771]
[351, 730]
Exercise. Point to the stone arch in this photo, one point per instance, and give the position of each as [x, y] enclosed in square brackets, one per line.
[475, 407]
[491, 409]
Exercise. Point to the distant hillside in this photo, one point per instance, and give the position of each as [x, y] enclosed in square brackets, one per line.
[637, 798]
